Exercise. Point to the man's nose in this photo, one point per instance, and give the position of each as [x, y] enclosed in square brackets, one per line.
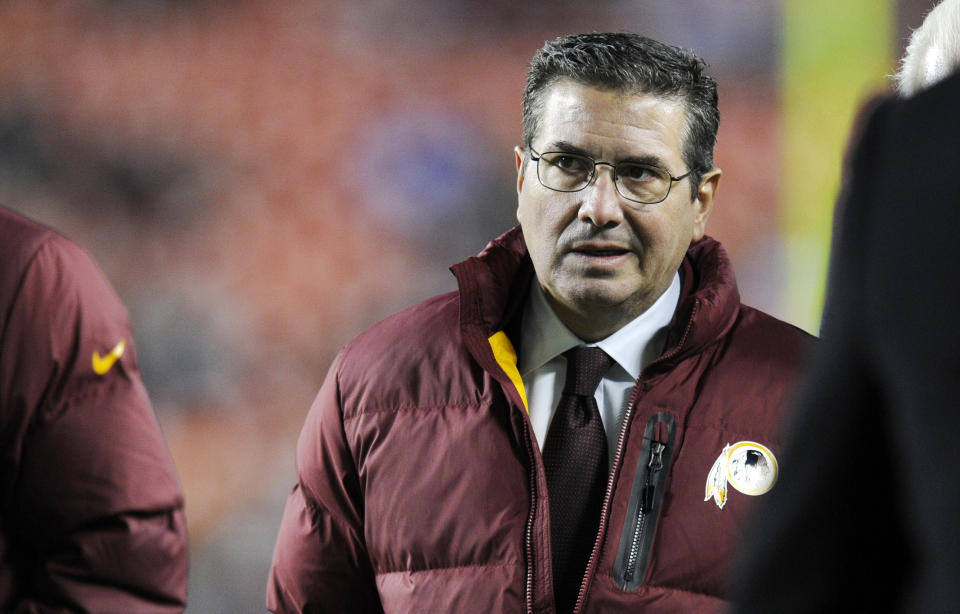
[601, 202]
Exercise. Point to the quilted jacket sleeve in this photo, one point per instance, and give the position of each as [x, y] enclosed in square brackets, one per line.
[93, 512]
[320, 562]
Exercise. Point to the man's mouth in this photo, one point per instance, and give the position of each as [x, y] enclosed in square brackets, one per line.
[599, 250]
[601, 259]
[601, 253]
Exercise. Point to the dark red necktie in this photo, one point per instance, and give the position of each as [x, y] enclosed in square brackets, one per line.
[575, 459]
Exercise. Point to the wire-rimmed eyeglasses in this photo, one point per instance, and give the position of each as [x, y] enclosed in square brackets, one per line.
[569, 172]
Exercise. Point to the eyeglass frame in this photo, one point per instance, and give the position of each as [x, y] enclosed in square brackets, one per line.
[535, 156]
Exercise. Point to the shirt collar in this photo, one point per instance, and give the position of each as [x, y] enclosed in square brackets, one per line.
[636, 344]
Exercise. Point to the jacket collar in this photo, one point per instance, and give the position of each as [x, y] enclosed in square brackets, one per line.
[494, 284]
[709, 301]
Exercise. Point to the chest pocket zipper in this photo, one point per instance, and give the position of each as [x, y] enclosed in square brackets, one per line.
[646, 500]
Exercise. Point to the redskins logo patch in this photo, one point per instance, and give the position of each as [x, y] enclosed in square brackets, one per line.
[748, 466]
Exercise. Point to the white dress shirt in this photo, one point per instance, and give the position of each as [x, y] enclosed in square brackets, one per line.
[544, 339]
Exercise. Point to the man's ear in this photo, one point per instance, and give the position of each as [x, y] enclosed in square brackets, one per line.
[520, 156]
[703, 203]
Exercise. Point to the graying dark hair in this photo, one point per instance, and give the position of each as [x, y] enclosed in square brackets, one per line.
[630, 64]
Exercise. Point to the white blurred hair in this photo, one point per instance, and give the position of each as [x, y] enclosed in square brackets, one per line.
[933, 51]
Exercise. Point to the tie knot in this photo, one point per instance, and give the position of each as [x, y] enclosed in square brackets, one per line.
[585, 369]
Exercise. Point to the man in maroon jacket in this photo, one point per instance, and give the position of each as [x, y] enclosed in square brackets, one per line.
[581, 427]
[92, 517]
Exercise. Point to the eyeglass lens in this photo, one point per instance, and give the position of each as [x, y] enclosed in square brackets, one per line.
[567, 172]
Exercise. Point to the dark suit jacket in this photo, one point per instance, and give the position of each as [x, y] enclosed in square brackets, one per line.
[867, 510]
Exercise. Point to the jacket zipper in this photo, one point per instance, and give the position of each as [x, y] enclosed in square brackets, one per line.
[654, 467]
[528, 536]
[645, 503]
[621, 438]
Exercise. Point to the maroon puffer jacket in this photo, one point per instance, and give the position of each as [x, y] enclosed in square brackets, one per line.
[92, 517]
[422, 489]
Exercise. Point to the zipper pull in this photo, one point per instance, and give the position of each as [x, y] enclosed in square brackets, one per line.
[656, 456]
[654, 465]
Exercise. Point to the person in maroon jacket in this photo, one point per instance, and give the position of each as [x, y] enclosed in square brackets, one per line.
[582, 425]
[92, 517]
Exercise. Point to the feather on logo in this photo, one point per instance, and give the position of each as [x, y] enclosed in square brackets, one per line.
[751, 468]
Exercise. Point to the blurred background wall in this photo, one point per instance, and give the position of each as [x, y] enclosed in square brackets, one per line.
[263, 180]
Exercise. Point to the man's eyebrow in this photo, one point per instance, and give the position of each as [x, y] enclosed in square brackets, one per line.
[649, 160]
[567, 147]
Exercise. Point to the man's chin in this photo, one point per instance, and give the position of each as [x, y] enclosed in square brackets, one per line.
[599, 295]
[596, 311]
